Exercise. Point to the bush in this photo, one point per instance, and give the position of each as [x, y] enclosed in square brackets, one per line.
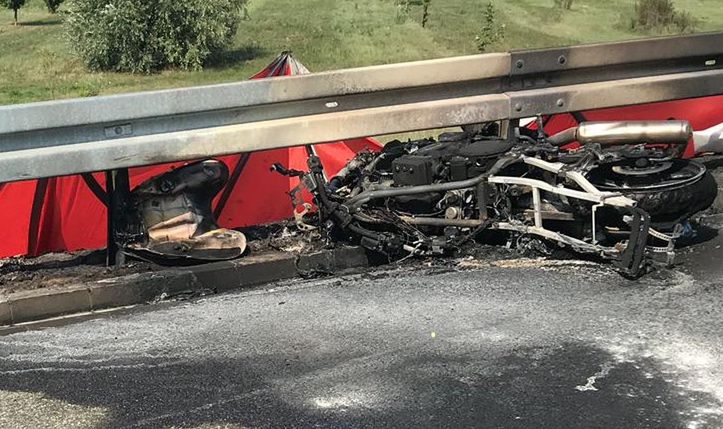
[492, 31]
[53, 5]
[564, 4]
[143, 36]
[661, 15]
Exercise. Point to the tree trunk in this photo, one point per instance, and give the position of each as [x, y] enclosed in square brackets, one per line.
[16, 15]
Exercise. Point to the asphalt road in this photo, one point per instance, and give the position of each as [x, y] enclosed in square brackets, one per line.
[525, 344]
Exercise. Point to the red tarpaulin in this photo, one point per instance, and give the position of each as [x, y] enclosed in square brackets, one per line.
[69, 213]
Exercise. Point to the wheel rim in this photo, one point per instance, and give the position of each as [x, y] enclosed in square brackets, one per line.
[627, 177]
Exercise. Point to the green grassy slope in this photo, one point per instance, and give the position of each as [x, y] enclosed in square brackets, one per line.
[36, 62]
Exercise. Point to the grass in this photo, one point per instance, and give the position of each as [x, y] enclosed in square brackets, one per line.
[37, 64]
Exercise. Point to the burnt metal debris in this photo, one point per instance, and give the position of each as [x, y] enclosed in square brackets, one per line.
[620, 195]
[169, 218]
[624, 194]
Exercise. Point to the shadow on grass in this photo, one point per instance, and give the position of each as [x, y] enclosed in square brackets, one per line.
[235, 56]
[41, 22]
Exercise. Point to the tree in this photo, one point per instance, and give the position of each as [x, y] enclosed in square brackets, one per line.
[404, 9]
[425, 12]
[142, 36]
[492, 31]
[14, 5]
[53, 5]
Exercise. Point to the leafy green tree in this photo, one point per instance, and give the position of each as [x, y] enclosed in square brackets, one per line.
[143, 36]
[14, 5]
[53, 5]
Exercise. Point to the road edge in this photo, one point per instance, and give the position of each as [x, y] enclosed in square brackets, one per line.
[174, 283]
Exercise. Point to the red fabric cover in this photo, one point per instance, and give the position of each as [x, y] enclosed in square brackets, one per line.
[247, 205]
[261, 195]
[72, 218]
[16, 202]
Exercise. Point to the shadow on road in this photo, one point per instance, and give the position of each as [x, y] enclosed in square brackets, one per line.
[570, 386]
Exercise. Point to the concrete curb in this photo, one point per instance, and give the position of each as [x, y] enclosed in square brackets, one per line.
[157, 286]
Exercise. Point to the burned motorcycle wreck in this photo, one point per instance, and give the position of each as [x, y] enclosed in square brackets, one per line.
[623, 193]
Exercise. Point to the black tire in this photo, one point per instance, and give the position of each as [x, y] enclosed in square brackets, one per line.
[667, 199]
[668, 207]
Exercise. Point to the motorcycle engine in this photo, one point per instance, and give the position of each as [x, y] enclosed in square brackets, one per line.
[455, 157]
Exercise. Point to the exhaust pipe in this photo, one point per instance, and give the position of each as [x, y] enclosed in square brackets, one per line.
[626, 132]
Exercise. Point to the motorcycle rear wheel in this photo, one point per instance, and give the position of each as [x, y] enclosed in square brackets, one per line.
[670, 195]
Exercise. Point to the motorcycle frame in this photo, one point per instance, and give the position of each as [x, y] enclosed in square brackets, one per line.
[589, 193]
[629, 259]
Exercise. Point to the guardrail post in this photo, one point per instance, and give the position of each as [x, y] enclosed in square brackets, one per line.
[118, 191]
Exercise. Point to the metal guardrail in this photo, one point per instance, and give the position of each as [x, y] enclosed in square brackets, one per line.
[106, 133]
